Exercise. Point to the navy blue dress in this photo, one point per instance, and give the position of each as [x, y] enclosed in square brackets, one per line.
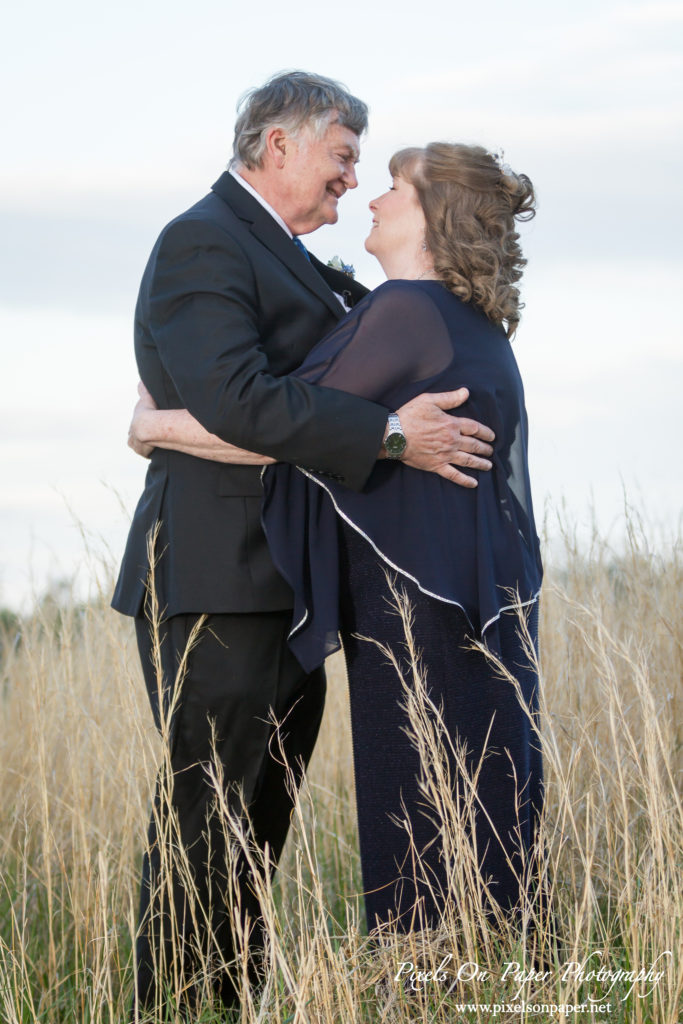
[468, 561]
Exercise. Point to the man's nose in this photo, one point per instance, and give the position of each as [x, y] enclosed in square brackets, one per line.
[349, 177]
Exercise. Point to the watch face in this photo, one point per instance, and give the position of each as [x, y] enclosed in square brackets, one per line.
[395, 444]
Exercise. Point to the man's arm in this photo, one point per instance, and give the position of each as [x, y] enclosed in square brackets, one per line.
[211, 327]
[205, 320]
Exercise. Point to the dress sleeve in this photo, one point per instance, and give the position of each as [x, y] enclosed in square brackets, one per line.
[393, 338]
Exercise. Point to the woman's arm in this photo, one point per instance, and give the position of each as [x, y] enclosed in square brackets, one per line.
[179, 431]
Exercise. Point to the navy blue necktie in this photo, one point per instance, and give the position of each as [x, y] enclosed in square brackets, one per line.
[301, 247]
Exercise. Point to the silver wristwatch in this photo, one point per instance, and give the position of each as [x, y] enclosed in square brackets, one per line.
[395, 441]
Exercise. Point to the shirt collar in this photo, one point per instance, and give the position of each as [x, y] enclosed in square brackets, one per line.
[259, 199]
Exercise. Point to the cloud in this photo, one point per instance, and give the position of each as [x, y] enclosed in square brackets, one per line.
[651, 14]
[594, 73]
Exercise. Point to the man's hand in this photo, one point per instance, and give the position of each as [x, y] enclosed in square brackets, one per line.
[436, 440]
[144, 404]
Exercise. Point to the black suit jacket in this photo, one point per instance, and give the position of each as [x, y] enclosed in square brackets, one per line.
[227, 307]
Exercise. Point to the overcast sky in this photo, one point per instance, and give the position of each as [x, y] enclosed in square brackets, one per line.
[117, 117]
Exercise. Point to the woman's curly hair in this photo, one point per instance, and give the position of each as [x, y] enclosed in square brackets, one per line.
[471, 202]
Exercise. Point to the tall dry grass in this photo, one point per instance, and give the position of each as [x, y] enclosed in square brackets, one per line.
[79, 755]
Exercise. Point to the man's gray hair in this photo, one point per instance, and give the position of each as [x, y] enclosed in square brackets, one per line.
[291, 100]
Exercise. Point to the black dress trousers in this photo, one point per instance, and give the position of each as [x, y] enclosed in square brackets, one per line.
[239, 673]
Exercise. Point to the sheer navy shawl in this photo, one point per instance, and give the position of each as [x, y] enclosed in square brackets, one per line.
[475, 548]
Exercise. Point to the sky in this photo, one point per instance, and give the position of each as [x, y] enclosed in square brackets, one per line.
[118, 117]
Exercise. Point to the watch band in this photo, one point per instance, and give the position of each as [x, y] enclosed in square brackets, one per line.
[395, 442]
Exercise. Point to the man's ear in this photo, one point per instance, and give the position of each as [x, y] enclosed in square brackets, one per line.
[276, 147]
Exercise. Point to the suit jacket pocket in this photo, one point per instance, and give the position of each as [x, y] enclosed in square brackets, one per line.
[240, 481]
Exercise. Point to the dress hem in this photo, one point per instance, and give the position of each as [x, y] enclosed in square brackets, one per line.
[429, 593]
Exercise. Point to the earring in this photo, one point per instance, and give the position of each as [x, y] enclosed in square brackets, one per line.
[424, 245]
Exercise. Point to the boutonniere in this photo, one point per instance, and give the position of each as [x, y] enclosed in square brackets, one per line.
[338, 264]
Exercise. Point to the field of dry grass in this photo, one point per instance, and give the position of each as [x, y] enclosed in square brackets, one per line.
[79, 754]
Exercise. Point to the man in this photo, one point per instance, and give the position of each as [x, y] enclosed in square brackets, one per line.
[229, 304]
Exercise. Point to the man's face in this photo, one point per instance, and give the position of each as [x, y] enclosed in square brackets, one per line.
[315, 175]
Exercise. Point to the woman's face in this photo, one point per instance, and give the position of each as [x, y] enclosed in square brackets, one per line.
[398, 223]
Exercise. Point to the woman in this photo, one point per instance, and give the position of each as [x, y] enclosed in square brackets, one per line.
[467, 559]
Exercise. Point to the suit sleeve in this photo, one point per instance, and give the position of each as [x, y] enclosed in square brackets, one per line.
[205, 319]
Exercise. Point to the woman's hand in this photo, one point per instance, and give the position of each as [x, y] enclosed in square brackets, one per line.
[144, 405]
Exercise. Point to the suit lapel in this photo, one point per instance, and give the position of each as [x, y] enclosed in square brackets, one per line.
[270, 234]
